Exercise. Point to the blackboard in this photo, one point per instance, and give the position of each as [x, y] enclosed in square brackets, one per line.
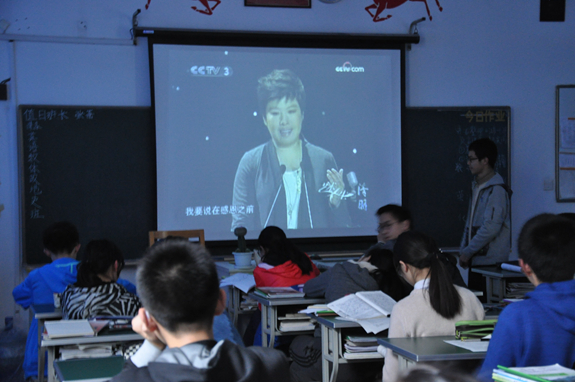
[92, 166]
[436, 179]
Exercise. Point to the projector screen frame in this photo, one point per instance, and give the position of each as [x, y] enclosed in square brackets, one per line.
[397, 42]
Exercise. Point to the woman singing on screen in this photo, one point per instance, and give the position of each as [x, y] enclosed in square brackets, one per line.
[287, 182]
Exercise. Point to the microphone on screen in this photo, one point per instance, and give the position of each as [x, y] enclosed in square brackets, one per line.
[353, 182]
[282, 171]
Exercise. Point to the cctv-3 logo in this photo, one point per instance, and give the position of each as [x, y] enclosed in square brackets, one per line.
[211, 71]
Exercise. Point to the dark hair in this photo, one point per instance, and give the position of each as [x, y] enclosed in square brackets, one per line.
[386, 277]
[178, 284]
[485, 148]
[279, 250]
[99, 256]
[568, 215]
[428, 373]
[547, 244]
[400, 213]
[420, 251]
[280, 84]
[61, 238]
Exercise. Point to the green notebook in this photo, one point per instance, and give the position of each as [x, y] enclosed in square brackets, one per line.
[89, 369]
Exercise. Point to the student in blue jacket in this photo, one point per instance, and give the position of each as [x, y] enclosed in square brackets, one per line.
[61, 244]
[540, 330]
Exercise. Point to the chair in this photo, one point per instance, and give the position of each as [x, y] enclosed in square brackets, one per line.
[188, 234]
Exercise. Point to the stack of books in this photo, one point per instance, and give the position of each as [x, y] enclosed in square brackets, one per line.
[278, 292]
[360, 347]
[86, 351]
[555, 373]
[518, 290]
[296, 322]
[70, 328]
[319, 310]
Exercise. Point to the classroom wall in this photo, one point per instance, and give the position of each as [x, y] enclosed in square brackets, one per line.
[473, 53]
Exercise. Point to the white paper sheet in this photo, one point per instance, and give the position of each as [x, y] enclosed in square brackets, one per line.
[474, 346]
[242, 281]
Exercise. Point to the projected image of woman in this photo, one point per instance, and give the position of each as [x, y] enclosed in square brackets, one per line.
[287, 182]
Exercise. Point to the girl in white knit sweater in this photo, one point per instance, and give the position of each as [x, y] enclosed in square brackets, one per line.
[435, 304]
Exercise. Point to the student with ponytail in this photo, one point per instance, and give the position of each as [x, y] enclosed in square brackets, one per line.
[282, 263]
[435, 304]
[96, 291]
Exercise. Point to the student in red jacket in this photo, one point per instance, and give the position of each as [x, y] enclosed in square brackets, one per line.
[282, 263]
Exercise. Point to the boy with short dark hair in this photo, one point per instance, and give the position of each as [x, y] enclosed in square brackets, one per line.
[61, 243]
[179, 288]
[541, 329]
[486, 238]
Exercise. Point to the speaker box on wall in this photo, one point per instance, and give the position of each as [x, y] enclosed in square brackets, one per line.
[552, 10]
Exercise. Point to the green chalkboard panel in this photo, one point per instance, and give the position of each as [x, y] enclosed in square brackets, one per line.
[437, 181]
[92, 166]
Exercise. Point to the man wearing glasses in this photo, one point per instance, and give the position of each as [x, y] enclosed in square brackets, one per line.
[393, 220]
[486, 238]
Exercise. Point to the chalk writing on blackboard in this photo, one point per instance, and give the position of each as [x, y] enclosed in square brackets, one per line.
[33, 162]
[33, 124]
[486, 116]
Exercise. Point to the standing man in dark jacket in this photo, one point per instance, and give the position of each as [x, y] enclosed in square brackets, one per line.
[486, 238]
[179, 288]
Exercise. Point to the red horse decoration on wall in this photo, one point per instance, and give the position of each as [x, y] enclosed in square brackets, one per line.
[206, 9]
[381, 5]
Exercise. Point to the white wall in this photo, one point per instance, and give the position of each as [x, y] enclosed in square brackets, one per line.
[474, 53]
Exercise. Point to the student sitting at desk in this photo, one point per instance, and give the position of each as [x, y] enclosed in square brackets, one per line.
[393, 220]
[540, 330]
[179, 287]
[61, 243]
[282, 263]
[96, 291]
[374, 271]
[434, 305]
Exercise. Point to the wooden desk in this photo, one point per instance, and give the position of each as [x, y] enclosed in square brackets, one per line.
[52, 345]
[332, 346]
[270, 315]
[426, 349]
[42, 313]
[89, 369]
[495, 276]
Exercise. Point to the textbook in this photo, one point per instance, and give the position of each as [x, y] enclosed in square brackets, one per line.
[556, 373]
[363, 305]
[369, 309]
[68, 328]
[319, 310]
[296, 322]
[278, 292]
[86, 351]
[475, 330]
[361, 347]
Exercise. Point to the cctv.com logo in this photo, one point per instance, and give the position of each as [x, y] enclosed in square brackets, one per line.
[210, 71]
[347, 67]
